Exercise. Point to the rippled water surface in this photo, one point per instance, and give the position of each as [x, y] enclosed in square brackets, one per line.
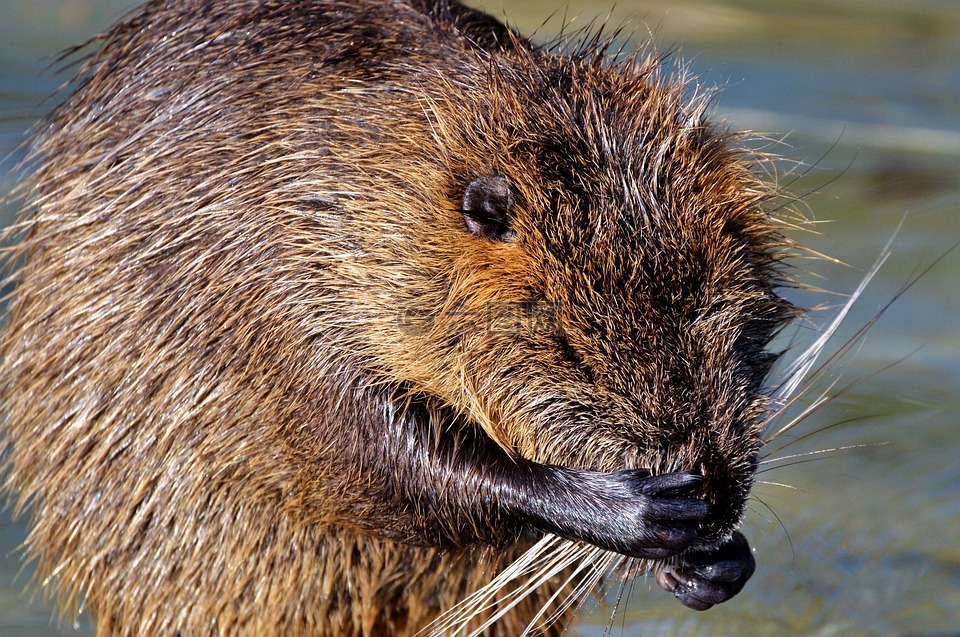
[857, 529]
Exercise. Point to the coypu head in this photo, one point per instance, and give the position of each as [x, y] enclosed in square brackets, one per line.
[594, 279]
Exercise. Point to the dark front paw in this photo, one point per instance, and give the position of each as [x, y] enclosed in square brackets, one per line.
[659, 520]
[629, 512]
[700, 579]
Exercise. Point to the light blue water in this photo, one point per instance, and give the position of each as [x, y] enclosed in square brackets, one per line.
[863, 541]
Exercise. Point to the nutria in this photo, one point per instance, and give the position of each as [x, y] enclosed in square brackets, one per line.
[326, 311]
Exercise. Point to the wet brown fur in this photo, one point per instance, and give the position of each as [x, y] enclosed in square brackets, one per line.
[242, 259]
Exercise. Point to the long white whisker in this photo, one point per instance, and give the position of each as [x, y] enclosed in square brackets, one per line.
[621, 591]
[796, 372]
[485, 598]
[778, 484]
[598, 562]
[824, 397]
[568, 558]
[543, 561]
[820, 452]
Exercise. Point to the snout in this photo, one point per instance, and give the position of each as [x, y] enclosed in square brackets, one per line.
[726, 486]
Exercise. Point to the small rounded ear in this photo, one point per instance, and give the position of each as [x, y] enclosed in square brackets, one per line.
[487, 203]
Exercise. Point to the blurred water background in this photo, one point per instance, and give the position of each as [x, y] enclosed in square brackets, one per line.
[863, 99]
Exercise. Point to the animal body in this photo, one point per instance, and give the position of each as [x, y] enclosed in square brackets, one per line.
[325, 311]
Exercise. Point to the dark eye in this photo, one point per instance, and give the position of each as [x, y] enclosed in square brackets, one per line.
[487, 202]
